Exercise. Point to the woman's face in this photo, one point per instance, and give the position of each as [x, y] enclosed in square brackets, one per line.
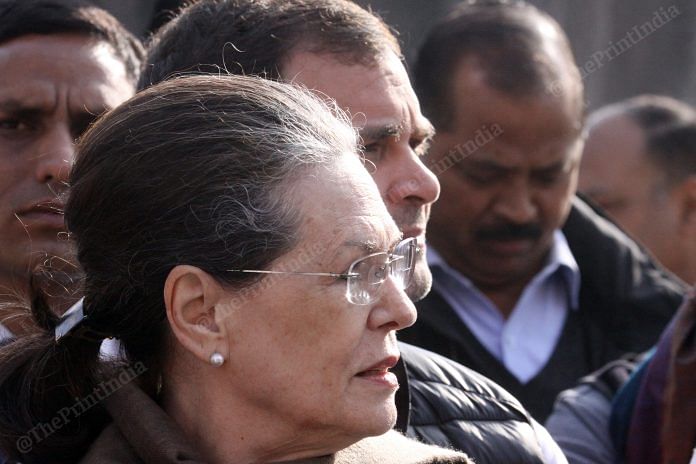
[300, 353]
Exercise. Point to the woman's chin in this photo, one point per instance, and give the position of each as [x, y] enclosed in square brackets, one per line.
[377, 420]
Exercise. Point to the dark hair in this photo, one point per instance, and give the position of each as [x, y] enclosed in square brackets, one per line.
[673, 150]
[47, 17]
[503, 39]
[198, 171]
[652, 112]
[253, 37]
[669, 131]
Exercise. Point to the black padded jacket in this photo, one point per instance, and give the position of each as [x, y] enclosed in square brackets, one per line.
[444, 403]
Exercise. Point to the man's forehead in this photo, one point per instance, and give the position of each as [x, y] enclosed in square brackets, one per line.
[378, 93]
[502, 154]
[37, 71]
[29, 96]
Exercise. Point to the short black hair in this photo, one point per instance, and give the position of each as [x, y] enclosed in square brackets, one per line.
[504, 39]
[47, 17]
[256, 38]
[669, 132]
[653, 112]
[673, 150]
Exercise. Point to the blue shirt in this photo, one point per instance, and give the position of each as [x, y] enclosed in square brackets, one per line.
[525, 341]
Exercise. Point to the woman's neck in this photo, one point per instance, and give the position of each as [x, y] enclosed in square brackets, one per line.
[221, 425]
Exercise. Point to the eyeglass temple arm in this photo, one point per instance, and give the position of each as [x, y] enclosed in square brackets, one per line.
[327, 274]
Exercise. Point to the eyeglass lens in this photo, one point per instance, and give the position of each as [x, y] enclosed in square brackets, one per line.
[373, 270]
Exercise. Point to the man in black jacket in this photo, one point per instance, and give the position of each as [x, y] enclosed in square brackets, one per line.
[531, 287]
[345, 52]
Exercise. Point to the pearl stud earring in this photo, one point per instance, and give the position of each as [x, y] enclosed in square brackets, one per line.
[216, 359]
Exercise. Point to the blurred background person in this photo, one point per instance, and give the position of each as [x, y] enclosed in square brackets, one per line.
[530, 286]
[61, 66]
[639, 165]
[636, 410]
[256, 284]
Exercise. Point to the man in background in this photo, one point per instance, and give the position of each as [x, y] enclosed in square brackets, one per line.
[639, 165]
[60, 67]
[530, 286]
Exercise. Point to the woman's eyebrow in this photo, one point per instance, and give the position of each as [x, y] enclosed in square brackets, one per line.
[367, 245]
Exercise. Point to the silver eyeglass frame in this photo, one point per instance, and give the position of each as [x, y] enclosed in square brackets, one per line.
[411, 241]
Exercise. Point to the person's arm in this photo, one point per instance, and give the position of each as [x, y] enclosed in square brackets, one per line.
[579, 424]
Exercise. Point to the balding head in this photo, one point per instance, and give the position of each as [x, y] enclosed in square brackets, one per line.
[639, 165]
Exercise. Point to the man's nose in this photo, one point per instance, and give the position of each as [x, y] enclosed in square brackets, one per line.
[54, 155]
[515, 203]
[413, 181]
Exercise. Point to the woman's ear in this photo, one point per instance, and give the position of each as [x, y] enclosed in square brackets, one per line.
[191, 296]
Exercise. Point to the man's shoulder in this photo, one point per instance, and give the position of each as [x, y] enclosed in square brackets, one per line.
[441, 373]
[624, 291]
[453, 406]
[608, 257]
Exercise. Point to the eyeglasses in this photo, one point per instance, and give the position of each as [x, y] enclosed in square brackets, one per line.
[366, 275]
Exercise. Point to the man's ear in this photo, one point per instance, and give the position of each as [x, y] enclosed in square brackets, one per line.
[190, 297]
[687, 205]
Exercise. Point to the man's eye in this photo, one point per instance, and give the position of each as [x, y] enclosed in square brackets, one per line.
[548, 178]
[13, 124]
[421, 147]
[479, 178]
[373, 152]
[370, 148]
[613, 206]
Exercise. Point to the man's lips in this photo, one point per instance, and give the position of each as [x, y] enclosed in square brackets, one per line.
[413, 231]
[507, 239]
[507, 246]
[379, 373]
[43, 213]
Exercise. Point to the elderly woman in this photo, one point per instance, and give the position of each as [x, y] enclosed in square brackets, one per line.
[233, 242]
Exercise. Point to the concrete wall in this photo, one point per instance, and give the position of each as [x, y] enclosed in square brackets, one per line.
[624, 47]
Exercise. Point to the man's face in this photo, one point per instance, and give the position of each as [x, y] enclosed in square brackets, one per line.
[51, 88]
[395, 134]
[514, 172]
[616, 173]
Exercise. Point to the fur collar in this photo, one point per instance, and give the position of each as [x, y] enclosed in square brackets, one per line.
[142, 433]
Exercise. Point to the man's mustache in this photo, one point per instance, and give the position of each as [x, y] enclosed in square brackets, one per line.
[510, 231]
[412, 216]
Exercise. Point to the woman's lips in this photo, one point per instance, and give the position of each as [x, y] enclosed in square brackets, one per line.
[379, 373]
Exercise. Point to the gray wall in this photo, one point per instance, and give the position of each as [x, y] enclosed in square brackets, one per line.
[627, 60]
[663, 61]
